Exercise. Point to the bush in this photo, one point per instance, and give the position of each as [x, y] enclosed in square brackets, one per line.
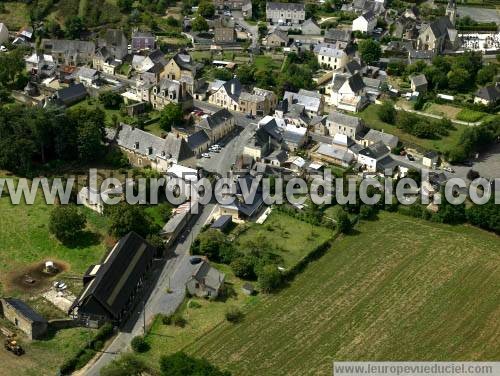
[193, 304]
[269, 278]
[234, 315]
[105, 332]
[387, 113]
[179, 321]
[243, 267]
[66, 222]
[470, 115]
[84, 357]
[139, 344]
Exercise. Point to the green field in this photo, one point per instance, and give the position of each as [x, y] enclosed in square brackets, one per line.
[401, 289]
[369, 115]
[290, 238]
[16, 15]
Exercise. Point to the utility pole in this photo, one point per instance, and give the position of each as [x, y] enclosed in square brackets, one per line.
[144, 315]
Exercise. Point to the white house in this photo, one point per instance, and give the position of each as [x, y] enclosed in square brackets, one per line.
[347, 92]
[365, 23]
[4, 33]
[368, 157]
[331, 57]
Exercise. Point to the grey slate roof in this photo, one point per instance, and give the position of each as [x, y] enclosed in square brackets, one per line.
[370, 15]
[71, 94]
[25, 310]
[375, 151]
[150, 145]
[196, 139]
[344, 120]
[355, 82]
[310, 99]
[285, 6]
[338, 35]
[68, 46]
[377, 136]
[208, 275]
[440, 26]
[418, 80]
[489, 93]
[216, 119]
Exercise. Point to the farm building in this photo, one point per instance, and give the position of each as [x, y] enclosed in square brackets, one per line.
[113, 288]
[206, 281]
[24, 317]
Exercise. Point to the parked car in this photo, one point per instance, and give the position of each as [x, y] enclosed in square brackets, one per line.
[205, 155]
[449, 169]
[250, 116]
[410, 157]
[194, 260]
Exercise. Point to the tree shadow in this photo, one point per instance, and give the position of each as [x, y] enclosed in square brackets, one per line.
[83, 239]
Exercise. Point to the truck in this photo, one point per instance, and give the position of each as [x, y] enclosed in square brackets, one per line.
[10, 342]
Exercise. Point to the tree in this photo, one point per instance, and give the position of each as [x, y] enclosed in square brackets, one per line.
[387, 113]
[269, 278]
[139, 344]
[262, 29]
[234, 315]
[344, 224]
[206, 9]
[111, 100]
[74, 27]
[180, 364]
[370, 51]
[126, 365]
[486, 74]
[170, 116]
[199, 24]
[459, 79]
[210, 243]
[89, 124]
[125, 218]
[125, 5]
[66, 222]
[245, 74]
[243, 267]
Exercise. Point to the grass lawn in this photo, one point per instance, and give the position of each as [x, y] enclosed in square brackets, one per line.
[292, 239]
[369, 115]
[16, 15]
[45, 357]
[470, 115]
[25, 239]
[265, 61]
[94, 104]
[168, 339]
[387, 293]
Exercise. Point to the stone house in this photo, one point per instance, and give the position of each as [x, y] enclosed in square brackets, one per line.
[69, 52]
[23, 317]
[331, 57]
[278, 38]
[285, 13]
[310, 27]
[418, 83]
[224, 31]
[142, 41]
[205, 281]
[170, 91]
[217, 125]
[347, 125]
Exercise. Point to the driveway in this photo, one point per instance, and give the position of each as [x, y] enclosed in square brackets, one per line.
[173, 276]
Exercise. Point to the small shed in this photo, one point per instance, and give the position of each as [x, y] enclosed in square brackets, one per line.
[430, 159]
[24, 317]
[419, 83]
[222, 223]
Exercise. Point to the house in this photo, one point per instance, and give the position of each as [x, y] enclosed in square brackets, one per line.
[40, 64]
[227, 96]
[430, 159]
[224, 31]
[69, 52]
[418, 83]
[4, 33]
[113, 288]
[365, 23]
[278, 38]
[339, 123]
[336, 36]
[144, 149]
[205, 281]
[488, 95]
[336, 153]
[198, 142]
[347, 92]
[24, 317]
[71, 94]
[142, 41]
[116, 44]
[222, 223]
[267, 137]
[373, 136]
[217, 125]
[258, 102]
[170, 91]
[312, 101]
[245, 6]
[362, 6]
[285, 13]
[87, 76]
[369, 156]
[310, 27]
[331, 57]
[438, 36]
[294, 137]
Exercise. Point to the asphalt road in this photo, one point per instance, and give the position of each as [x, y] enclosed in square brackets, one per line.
[174, 276]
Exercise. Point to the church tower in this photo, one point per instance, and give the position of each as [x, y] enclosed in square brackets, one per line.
[451, 11]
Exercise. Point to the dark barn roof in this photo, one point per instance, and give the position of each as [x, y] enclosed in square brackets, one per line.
[25, 310]
[118, 275]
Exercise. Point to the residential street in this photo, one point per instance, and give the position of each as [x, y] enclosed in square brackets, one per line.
[174, 276]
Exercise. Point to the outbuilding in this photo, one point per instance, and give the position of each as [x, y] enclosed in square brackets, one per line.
[24, 317]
